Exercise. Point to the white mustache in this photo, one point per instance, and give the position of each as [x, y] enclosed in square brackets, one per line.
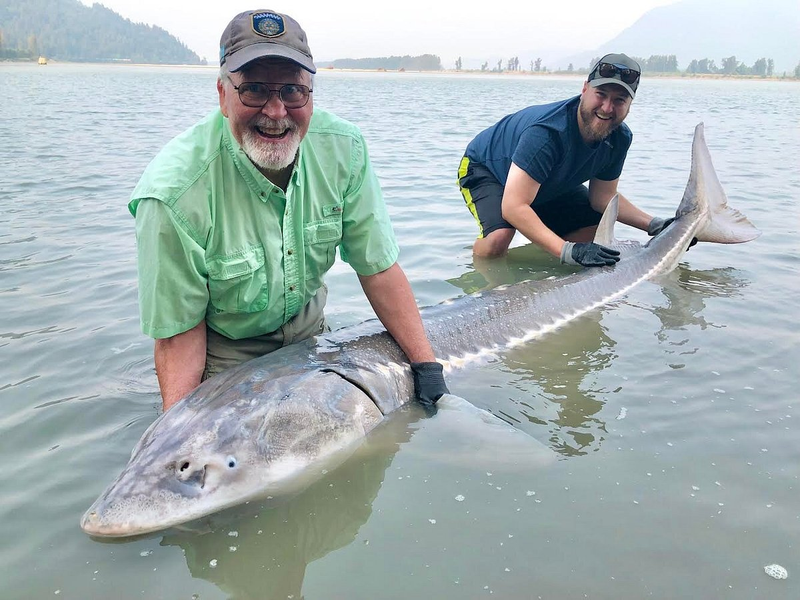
[272, 124]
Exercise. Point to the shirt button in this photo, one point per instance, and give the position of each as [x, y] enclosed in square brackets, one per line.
[290, 252]
[291, 288]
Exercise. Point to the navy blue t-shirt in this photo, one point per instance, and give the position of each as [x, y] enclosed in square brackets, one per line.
[545, 142]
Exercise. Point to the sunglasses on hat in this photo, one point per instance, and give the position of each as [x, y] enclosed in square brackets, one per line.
[612, 71]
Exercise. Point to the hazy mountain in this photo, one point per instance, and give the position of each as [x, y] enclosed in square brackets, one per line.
[714, 29]
[68, 30]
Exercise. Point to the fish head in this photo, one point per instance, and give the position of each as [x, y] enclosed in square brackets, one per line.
[229, 441]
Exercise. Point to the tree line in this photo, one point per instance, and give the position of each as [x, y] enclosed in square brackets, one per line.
[668, 63]
[424, 62]
[763, 67]
[656, 63]
[68, 30]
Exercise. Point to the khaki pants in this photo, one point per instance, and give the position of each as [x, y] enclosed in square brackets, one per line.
[223, 353]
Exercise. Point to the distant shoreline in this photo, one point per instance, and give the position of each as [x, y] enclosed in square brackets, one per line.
[109, 63]
[581, 73]
[584, 73]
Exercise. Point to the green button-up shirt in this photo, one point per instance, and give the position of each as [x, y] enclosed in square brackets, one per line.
[218, 241]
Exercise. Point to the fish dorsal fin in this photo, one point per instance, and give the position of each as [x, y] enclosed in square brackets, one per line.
[605, 230]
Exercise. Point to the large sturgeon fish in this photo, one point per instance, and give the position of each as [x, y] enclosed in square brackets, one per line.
[252, 429]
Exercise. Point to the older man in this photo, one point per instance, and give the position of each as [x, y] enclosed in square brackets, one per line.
[526, 173]
[239, 217]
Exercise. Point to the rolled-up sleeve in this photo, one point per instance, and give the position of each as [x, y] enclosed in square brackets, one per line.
[173, 289]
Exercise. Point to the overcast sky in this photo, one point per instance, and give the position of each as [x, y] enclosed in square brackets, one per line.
[358, 29]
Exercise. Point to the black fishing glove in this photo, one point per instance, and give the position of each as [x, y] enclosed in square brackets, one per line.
[429, 384]
[588, 254]
[657, 225]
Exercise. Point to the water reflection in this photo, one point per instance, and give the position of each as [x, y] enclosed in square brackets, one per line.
[556, 366]
[559, 369]
[554, 380]
[263, 552]
[687, 290]
[523, 263]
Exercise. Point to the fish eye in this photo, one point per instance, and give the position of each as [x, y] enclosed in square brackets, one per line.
[231, 462]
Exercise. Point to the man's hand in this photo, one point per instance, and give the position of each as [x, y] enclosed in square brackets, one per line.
[657, 225]
[588, 254]
[429, 384]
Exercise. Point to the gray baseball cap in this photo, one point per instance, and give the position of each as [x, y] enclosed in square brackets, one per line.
[264, 33]
[623, 71]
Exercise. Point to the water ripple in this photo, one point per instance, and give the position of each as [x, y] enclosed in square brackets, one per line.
[706, 356]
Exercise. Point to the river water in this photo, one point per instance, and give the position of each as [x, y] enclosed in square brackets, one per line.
[673, 412]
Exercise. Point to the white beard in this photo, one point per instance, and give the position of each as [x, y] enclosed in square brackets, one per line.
[272, 156]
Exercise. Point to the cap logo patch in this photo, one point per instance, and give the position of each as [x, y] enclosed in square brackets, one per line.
[268, 24]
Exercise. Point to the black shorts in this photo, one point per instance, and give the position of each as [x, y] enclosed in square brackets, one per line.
[484, 194]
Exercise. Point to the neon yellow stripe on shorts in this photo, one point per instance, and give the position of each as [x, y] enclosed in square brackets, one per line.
[462, 172]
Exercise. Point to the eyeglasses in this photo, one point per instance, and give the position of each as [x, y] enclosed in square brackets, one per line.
[612, 71]
[256, 95]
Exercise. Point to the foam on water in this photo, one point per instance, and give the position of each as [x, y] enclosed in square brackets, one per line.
[776, 572]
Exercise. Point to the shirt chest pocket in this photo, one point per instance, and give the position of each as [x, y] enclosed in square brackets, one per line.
[237, 282]
[321, 238]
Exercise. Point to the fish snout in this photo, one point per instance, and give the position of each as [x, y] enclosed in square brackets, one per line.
[95, 522]
[90, 522]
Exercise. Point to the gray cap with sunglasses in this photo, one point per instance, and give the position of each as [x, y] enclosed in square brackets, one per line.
[264, 33]
[618, 69]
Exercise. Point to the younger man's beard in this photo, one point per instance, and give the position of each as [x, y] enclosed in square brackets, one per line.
[596, 130]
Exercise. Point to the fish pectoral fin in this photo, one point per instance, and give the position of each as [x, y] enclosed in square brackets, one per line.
[463, 434]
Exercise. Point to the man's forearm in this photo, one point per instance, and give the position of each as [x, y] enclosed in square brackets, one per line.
[528, 223]
[180, 361]
[518, 196]
[601, 193]
[391, 298]
[632, 215]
